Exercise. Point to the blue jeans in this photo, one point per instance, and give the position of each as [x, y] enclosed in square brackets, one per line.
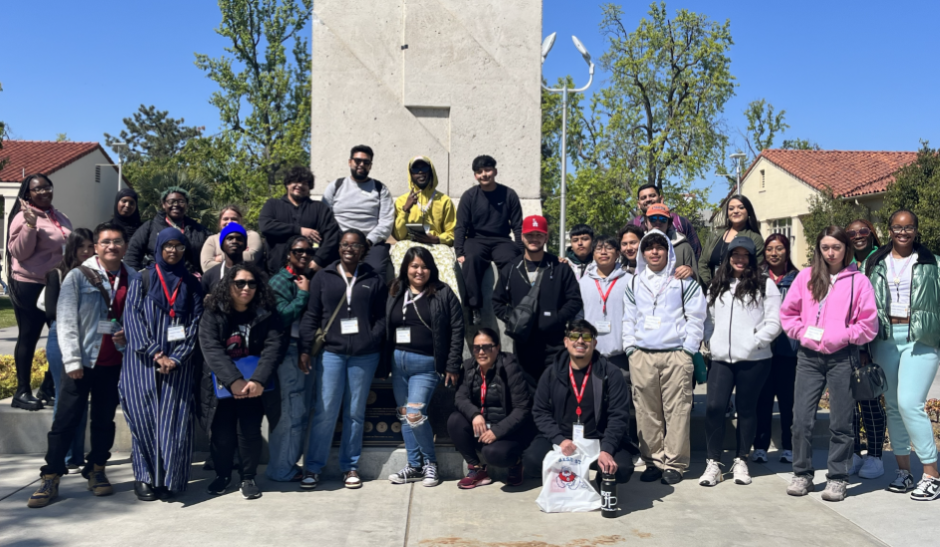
[413, 381]
[76, 454]
[287, 439]
[342, 381]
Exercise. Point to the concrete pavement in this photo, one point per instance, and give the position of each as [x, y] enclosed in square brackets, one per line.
[8, 340]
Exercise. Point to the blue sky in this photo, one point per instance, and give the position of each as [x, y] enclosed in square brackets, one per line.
[851, 75]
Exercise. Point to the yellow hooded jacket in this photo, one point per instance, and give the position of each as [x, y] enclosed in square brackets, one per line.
[441, 215]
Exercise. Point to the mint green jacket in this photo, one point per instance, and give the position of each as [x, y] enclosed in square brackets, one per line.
[924, 326]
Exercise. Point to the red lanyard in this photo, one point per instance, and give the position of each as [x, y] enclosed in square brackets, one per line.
[171, 300]
[482, 392]
[578, 395]
[173, 224]
[50, 214]
[290, 270]
[605, 296]
[776, 279]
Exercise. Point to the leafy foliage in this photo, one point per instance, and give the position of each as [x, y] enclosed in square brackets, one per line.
[763, 125]
[799, 144]
[151, 134]
[917, 189]
[827, 209]
[8, 372]
[149, 186]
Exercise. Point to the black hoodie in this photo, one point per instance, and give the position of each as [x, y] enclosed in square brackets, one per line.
[280, 219]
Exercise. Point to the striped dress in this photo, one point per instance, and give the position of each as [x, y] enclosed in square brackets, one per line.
[146, 328]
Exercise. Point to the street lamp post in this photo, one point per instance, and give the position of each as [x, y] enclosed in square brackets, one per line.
[737, 165]
[565, 90]
[98, 166]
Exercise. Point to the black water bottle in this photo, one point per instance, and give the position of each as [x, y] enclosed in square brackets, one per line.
[609, 495]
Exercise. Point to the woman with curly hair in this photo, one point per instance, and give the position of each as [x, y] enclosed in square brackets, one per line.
[243, 344]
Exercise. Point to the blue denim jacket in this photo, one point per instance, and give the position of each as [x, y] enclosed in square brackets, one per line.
[78, 311]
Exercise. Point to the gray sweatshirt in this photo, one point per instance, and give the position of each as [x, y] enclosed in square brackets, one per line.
[359, 206]
[608, 344]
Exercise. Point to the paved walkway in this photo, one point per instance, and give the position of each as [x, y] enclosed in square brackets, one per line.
[493, 516]
[8, 340]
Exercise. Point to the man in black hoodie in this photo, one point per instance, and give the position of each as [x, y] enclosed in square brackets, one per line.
[559, 297]
[582, 394]
[295, 213]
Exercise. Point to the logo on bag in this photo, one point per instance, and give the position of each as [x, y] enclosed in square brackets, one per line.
[567, 478]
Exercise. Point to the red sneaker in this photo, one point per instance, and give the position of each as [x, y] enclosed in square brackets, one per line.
[515, 477]
[476, 476]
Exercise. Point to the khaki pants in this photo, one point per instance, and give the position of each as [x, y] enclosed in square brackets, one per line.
[662, 395]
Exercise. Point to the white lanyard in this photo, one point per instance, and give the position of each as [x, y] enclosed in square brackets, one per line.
[409, 300]
[349, 283]
[897, 276]
[427, 207]
[662, 289]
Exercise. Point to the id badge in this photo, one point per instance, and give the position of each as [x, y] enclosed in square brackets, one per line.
[349, 326]
[176, 333]
[105, 327]
[899, 310]
[403, 335]
[814, 333]
[577, 433]
[652, 322]
[603, 327]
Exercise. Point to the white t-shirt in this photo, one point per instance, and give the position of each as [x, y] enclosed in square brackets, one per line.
[900, 273]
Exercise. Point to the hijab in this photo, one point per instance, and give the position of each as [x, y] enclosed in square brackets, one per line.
[174, 276]
[129, 224]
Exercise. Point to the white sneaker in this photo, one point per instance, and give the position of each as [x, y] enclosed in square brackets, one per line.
[431, 477]
[712, 474]
[928, 489]
[739, 469]
[786, 456]
[857, 463]
[872, 468]
[902, 483]
[759, 456]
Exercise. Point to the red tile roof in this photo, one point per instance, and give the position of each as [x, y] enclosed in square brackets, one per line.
[41, 157]
[848, 174]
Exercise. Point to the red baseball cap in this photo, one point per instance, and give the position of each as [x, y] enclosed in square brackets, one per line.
[535, 223]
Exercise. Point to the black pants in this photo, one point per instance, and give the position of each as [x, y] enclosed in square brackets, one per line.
[872, 415]
[780, 384]
[378, 258]
[30, 321]
[237, 425]
[748, 377]
[102, 384]
[479, 253]
[533, 456]
[503, 452]
[629, 442]
[536, 354]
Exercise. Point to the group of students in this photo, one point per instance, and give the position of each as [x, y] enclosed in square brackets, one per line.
[614, 327]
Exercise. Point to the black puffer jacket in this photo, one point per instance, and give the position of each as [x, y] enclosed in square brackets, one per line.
[504, 379]
[140, 249]
[446, 323]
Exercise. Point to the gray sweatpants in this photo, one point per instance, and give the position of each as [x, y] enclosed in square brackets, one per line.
[814, 371]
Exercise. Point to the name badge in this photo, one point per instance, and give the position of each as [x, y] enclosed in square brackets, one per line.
[652, 322]
[105, 327]
[175, 334]
[603, 327]
[814, 333]
[349, 326]
[547, 313]
[403, 335]
[899, 310]
[577, 433]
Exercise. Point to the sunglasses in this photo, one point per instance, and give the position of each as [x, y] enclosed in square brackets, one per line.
[242, 283]
[864, 232]
[298, 252]
[486, 348]
[658, 218]
[586, 336]
[359, 161]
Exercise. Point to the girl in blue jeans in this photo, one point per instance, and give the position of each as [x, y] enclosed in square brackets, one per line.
[425, 327]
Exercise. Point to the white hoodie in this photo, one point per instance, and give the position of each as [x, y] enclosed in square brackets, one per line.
[739, 332]
[659, 323]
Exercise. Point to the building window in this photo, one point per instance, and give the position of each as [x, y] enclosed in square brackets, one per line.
[763, 180]
[783, 226]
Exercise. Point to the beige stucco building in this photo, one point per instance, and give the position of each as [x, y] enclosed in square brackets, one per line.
[780, 184]
[448, 79]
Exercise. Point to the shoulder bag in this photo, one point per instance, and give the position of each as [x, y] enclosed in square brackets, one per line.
[319, 339]
[868, 381]
[523, 317]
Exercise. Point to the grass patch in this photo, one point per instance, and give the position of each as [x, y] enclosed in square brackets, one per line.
[7, 319]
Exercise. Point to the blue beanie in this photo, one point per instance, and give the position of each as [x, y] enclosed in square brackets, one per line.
[233, 228]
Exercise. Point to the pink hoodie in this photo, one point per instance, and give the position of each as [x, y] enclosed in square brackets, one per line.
[35, 251]
[799, 311]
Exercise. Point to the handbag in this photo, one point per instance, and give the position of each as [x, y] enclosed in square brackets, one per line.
[523, 317]
[245, 365]
[319, 339]
[868, 381]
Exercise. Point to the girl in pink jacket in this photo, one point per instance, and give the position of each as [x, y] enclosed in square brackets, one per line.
[830, 310]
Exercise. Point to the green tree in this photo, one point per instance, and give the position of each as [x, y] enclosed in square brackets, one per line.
[917, 189]
[265, 105]
[762, 126]
[3, 135]
[799, 144]
[826, 209]
[150, 135]
[151, 184]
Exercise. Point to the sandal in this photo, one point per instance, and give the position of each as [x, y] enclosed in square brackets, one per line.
[351, 479]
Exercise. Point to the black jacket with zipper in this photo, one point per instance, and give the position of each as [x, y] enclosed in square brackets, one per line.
[280, 219]
[508, 383]
[611, 410]
[446, 324]
[559, 297]
[141, 247]
[327, 290]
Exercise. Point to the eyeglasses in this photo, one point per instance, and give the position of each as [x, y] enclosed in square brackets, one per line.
[864, 232]
[178, 248]
[607, 248]
[486, 348]
[45, 189]
[658, 219]
[242, 283]
[359, 161]
[354, 246]
[903, 229]
[110, 242]
[175, 202]
[586, 336]
[298, 252]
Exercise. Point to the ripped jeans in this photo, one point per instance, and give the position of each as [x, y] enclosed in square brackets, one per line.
[414, 379]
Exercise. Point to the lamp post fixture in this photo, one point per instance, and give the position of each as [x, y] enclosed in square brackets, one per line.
[737, 165]
[546, 47]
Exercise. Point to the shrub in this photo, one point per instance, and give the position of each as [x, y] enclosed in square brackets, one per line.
[8, 373]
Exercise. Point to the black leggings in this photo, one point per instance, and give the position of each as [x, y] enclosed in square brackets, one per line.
[872, 415]
[237, 425]
[779, 383]
[29, 321]
[504, 452]
[748, 377]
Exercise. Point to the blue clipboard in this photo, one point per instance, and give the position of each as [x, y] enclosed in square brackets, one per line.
[245, 365]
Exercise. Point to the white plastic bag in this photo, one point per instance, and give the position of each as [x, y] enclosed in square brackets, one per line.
[566, 484]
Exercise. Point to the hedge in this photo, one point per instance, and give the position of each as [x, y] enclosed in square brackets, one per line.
[8, 373]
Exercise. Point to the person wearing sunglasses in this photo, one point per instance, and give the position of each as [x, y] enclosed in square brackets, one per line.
[362, 203]
[212, 254]
[658, 218]
[905, 277]
[863, 238]
[347, 301]
[233, 240]
[162, 317]
[295, 214]
[493, 415]
[583, 395]
[648, 194]
[240, 321]
[175, 203]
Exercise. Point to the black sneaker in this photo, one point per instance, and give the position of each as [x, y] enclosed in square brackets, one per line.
[250, 490]
[902, 483]
[671, 476]
[309, 481]
[406, 475]
[26, 401]
[219, 485]
[652, 474]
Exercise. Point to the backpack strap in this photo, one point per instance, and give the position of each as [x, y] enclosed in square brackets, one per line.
[339, 184]
[94, 278]
[145, 280]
